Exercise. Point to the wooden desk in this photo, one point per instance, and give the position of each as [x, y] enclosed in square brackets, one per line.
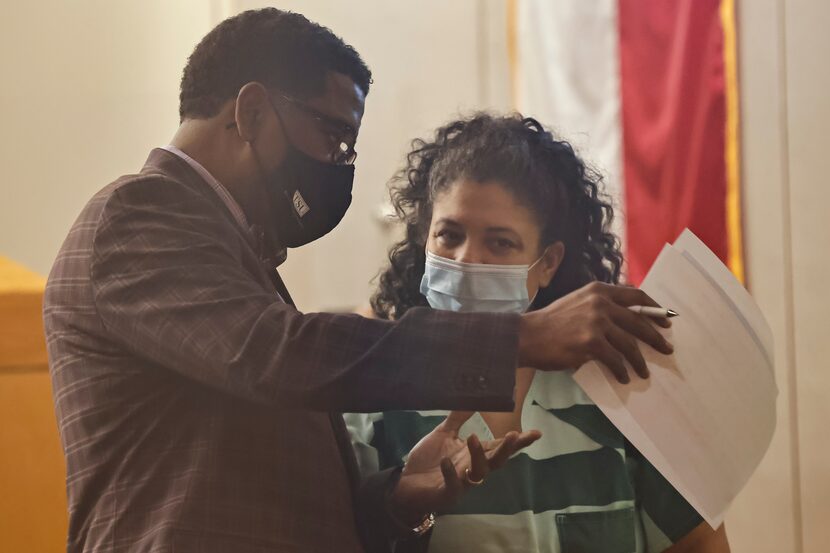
[33, 516]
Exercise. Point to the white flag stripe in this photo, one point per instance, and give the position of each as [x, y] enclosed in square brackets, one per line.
[568, 78]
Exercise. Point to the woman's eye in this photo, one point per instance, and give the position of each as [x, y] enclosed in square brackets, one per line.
[448, 236]
[504, 244]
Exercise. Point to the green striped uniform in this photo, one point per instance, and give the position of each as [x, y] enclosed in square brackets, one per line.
[580, 488]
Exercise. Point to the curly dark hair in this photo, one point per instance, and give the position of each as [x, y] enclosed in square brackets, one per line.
[543, 173]
[280, 49]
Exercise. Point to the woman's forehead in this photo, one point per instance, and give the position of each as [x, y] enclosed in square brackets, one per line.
[488, 204]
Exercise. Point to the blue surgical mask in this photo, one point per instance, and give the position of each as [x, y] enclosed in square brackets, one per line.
[475, 287]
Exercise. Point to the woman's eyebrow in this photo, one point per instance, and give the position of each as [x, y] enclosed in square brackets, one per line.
[447, 221]
[502, 229]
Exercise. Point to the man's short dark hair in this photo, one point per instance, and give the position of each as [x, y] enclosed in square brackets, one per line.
[280, 49]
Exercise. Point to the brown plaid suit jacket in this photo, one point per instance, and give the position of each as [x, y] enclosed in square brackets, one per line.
[197, 409]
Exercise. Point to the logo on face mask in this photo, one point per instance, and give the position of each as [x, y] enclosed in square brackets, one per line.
[299, 204]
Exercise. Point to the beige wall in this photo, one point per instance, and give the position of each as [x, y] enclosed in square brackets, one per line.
[807, 74]
[91, 86]
[88, 88]
[764, 517]
[784, 78]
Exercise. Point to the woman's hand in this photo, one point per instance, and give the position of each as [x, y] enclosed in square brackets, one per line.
[435, 475]
[592, 323]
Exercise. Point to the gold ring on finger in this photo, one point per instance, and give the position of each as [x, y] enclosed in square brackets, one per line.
[470, 481]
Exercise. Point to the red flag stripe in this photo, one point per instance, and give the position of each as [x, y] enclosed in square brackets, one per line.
[674, 121]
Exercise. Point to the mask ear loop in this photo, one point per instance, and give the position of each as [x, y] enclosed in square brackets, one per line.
[536, 295]
[284, 131]
[541, 257]
[288, 140]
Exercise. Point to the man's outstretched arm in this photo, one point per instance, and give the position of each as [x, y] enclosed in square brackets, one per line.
[169, 287]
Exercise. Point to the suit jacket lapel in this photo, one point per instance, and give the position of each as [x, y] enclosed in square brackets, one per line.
[341, 434]
[280, 286]
[169, 163]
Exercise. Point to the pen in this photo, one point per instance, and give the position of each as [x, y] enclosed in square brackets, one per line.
[653, 311]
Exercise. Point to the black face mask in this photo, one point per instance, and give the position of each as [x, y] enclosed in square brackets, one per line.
[309, 197]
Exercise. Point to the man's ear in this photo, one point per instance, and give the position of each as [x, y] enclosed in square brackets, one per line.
[550, 262]
[252, 105]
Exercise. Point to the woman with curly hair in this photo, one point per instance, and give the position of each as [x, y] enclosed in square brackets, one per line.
[499, 215]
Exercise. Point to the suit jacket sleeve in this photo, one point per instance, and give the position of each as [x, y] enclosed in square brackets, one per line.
[169, 286]
[379, 530]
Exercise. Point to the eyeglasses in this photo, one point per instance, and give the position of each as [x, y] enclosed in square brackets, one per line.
[341, 135]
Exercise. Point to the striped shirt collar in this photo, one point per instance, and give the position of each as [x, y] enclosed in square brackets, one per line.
[217, 187]
[254, 232]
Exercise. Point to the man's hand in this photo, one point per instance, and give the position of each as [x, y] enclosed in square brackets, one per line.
[702, 540]
[592, 323]
[435, 474]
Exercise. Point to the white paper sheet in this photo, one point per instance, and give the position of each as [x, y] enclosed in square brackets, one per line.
[706, 416]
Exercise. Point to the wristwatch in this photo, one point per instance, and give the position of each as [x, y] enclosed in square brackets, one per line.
[425, 525]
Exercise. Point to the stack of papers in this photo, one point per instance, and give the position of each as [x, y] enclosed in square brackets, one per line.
[706, 415]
